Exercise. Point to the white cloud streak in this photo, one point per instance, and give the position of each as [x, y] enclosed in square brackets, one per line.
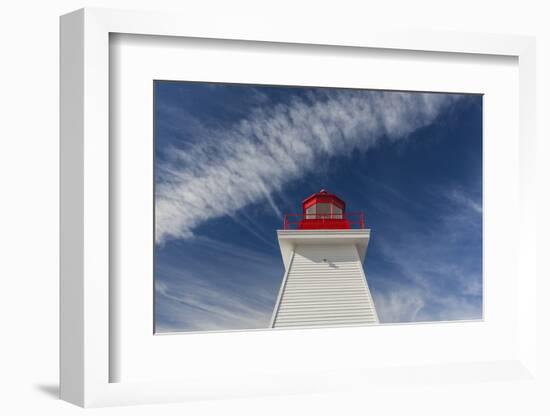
[187, 300]
[254, 158]
[436, 284]
[198, 306]
[399, 305]
[460, 197]
[218, 286]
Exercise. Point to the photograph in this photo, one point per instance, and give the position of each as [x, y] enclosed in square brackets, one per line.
[283, 206]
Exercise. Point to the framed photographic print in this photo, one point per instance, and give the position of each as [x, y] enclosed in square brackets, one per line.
[267, 214]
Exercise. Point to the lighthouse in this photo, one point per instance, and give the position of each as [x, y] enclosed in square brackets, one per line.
[323, 251]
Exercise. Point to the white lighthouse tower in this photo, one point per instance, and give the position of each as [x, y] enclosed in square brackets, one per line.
[323, 252]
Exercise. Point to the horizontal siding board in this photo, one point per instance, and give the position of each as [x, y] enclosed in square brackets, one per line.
[323, 290]
[325, 304]
[326, 324]
[325, 315]
[358, 319]
[320, 290]
[322, 297]
[329, 283]
[325, 311]
[324, 307]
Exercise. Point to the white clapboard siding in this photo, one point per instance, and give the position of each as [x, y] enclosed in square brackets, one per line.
[324, 286]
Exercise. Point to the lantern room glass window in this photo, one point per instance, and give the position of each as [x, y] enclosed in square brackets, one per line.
[323, 210]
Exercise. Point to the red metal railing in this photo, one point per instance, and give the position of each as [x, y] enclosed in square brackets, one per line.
[353, 220]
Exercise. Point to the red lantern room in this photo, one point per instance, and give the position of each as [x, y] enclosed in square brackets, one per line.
[321, 210]
[324, 211]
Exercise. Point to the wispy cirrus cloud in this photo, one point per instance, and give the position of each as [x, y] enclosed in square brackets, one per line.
[193, 296]
[401, 304]
[436, 273]
[195, 306]
[459, 197]
[229, 168]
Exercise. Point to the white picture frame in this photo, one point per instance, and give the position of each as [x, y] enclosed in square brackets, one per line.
[86, 333]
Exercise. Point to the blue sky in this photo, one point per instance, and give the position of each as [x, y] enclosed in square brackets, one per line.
[231, 159]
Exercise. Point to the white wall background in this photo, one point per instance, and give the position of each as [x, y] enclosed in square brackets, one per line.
[29, 204]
